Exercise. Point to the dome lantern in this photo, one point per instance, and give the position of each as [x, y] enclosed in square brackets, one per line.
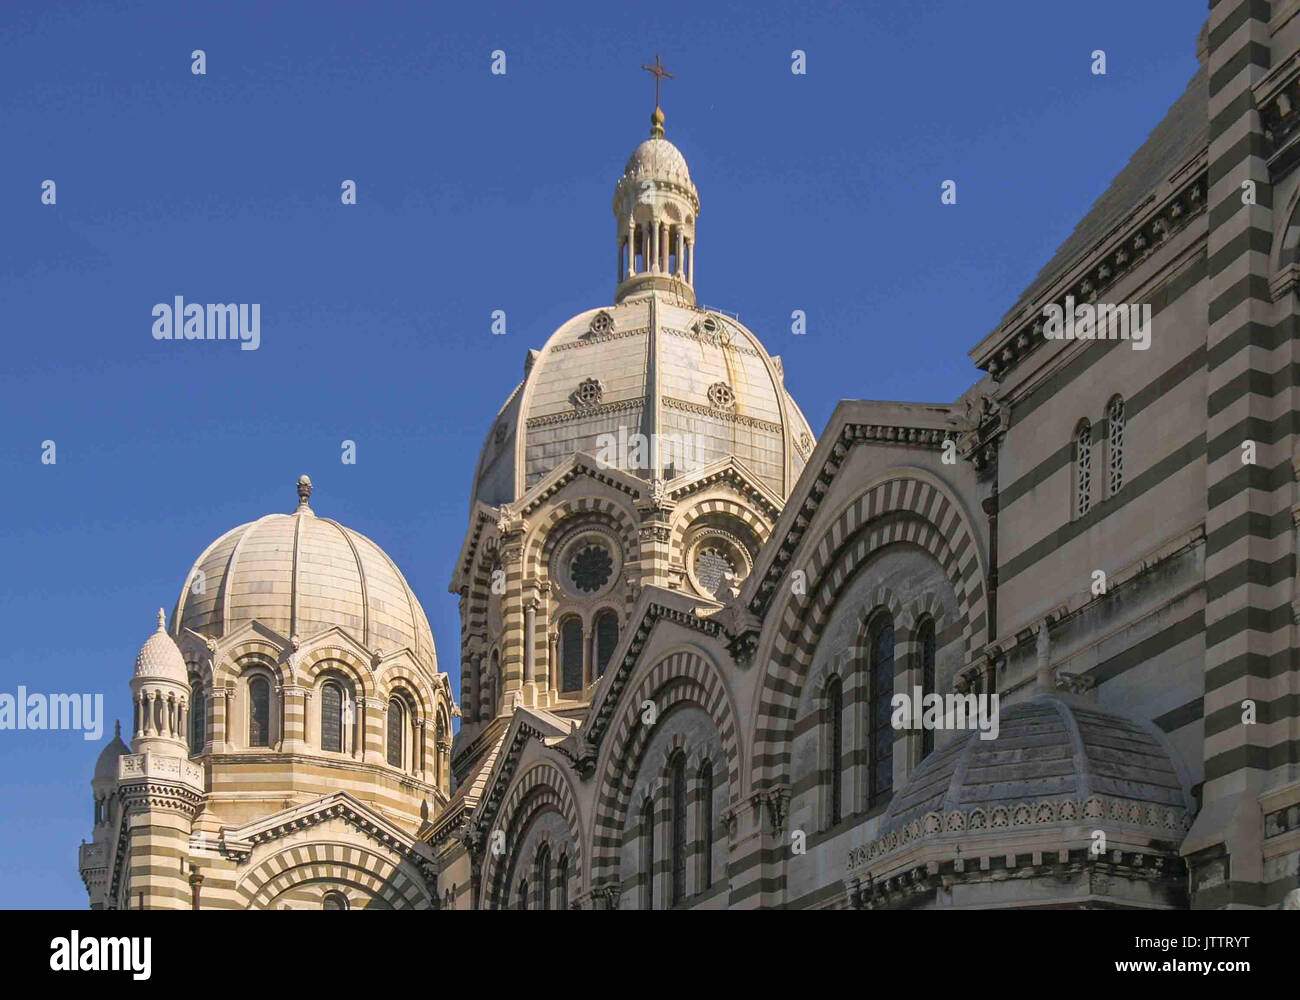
[160, 690]
[655, 208]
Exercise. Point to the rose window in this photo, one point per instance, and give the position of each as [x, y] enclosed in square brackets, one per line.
[588, 392]
[602, 322]
[591, 568]
[721, 395]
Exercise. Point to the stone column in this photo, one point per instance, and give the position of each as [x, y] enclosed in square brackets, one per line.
[476, 686]
[653, 262]
[553, 662]
[587, 635]
[530, 652]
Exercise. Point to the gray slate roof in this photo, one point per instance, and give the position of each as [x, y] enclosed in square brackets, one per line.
[1184, 130]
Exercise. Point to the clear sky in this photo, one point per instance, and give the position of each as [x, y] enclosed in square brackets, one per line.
[476, 192]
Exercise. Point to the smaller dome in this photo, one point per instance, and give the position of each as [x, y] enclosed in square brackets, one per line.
[106, 765]
[1057, 759]
[160, 657]
[659, 159]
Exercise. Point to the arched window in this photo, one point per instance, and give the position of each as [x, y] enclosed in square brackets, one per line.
[835, 746]
[544, 878]
[606, 639]
[198, 721]
[1115, 445]
[678, 777]
[648, 855]
[925, 643]
[706, 822]
[562, 878]
[331, 717]
[396, 730]
[259, 712]
[881, 739]
[334, 901]
[1083, 469]
[571, 654]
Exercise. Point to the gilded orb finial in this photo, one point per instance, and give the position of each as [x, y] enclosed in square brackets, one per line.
[657, 70]
[304, 490]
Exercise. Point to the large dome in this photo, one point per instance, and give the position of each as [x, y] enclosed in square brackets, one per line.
[300, 574]
[647, 365]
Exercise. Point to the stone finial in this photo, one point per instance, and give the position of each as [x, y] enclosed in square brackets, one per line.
[162, 620]
[117, 728]
[304, 490]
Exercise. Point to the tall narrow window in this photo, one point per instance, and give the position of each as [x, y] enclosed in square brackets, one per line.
[606, 639]
[648, 855]
[679, 827]
[396, 730]
[331, 717]
[1083, 469]
[562, 880]
[571, 654]
[198, 721]
[882, 693]
[523, 894]
[925, 639]
[544, 878]
[1115, 442]
[835, 746]
[259, 712]
[706, 822]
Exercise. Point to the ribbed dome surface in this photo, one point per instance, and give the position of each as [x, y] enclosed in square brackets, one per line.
[1053, 755]
[690, 375]
[160, 657]
[658, 158]
[300, 574]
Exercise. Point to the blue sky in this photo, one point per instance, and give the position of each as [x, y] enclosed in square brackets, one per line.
[475, 193]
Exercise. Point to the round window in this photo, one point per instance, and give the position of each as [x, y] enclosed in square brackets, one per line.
[714, 570]
[717, 563]
[591, 568]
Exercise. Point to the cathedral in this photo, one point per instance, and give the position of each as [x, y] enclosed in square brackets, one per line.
[688, 622]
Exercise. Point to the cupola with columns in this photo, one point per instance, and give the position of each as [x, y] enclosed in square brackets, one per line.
[160, 690]
[655, 208]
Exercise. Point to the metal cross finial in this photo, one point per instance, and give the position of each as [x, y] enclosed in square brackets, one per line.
[660, 74]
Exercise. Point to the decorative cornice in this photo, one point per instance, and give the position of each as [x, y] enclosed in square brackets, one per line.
[1023, 335]
[589, 338]
[704, 338]
[699, 409]
[1024, 815]
[582, 412]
